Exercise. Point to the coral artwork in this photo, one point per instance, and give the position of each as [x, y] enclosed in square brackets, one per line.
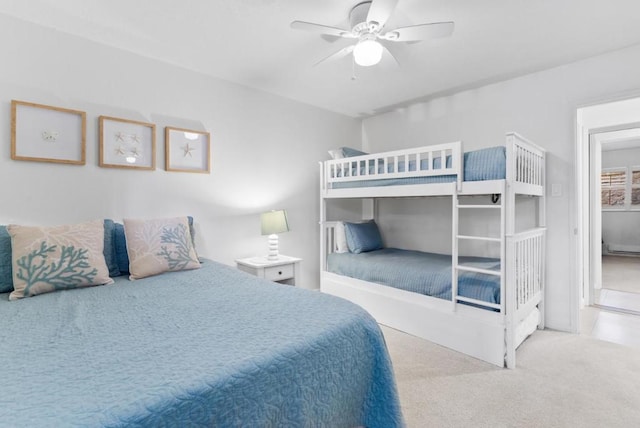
[37, 269]
[177, 253]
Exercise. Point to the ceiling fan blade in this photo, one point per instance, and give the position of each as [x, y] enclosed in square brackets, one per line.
[337, 55]
[322, 29]
[380, 11]
[391, 54]
[419, 32]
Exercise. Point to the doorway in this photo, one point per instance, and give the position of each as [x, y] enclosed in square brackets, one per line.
[615, 218]
[603, 124]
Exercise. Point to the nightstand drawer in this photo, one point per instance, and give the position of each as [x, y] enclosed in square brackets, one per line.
[284, 269]
[277, 273]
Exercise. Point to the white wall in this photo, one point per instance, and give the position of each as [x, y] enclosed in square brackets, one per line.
[621, 228]
[540, 106]
[265, 148]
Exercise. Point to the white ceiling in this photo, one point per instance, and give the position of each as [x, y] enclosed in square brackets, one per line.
[623, 139]
[249, 42]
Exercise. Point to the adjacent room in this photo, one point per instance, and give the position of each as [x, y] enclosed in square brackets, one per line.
[379, 213]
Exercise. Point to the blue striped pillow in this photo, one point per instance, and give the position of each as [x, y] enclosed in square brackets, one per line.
[6, 267]
[110, 248]
[363, 237]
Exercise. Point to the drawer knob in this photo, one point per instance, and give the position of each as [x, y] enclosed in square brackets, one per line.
[279, 272]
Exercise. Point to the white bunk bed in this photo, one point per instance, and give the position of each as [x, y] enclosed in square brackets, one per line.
[491, 332]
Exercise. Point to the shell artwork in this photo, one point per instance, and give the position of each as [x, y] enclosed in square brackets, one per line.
[50, 135]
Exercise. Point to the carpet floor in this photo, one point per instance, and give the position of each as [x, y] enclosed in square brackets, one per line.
[561, 380]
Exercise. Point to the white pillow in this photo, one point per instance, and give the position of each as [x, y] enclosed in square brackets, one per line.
[47, 259]
[159, 245]
[340, 236]
[336, 153]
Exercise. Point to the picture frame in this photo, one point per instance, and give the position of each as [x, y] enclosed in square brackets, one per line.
[187, 150]
[126, 143]
[43, 133]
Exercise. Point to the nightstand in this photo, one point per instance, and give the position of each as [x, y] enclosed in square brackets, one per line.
[284, 270]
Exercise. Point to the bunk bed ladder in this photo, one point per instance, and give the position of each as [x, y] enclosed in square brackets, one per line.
[457, 267]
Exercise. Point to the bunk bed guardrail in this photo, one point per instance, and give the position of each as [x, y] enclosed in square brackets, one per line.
[525, 165]
[526, 273]
[424, 161]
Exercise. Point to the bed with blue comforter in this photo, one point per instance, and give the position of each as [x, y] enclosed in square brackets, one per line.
[206, 347]
[419, 272]
[479, 165]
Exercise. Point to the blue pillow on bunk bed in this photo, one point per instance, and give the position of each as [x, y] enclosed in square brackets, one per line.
[348, 152]
[363, 237]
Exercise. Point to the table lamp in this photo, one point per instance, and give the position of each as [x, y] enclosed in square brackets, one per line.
[274, 222]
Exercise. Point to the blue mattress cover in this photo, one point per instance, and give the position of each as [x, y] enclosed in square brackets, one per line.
[208, 347]
[484, 164]
[419, 272]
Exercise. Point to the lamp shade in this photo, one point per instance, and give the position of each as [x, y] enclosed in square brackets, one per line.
[367, 52]
[274, 222]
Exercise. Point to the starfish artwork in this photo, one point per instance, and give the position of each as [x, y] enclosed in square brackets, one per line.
[135, 152]
[135, 138]
[120, 151]
[187, 150]
[120, 136]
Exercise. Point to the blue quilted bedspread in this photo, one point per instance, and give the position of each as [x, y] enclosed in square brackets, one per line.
[419, 272]
[208, 347]
[484, 164]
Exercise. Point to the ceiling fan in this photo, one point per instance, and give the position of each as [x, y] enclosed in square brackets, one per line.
[367, 20]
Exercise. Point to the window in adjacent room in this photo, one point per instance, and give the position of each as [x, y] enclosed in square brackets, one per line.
[613, 185]
[620, 188]
[635, 187]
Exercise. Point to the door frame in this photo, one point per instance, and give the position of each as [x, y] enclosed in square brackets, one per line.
[590, 213]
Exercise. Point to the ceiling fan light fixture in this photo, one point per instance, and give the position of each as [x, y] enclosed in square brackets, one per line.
[367, 53]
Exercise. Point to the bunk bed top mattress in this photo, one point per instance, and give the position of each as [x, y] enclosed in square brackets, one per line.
[206, 347]
[479, 165]
[419, 272]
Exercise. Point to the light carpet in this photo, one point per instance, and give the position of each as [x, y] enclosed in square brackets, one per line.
[562, 380]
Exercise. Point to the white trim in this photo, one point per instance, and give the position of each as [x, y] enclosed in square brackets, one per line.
[478, 333]
[596, 138]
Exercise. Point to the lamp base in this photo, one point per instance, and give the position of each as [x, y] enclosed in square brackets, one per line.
[273, 248]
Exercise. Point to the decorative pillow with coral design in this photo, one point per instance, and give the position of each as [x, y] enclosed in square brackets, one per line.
[160, 245]
[55, 258]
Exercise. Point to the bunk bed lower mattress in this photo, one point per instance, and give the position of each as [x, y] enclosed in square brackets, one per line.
[419, 272]
[479, 165]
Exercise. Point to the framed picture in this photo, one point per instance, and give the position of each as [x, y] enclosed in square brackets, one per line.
[187, 150]
[127, 143]
[44, 133]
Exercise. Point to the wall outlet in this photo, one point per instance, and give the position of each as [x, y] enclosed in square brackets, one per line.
[556, 190]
